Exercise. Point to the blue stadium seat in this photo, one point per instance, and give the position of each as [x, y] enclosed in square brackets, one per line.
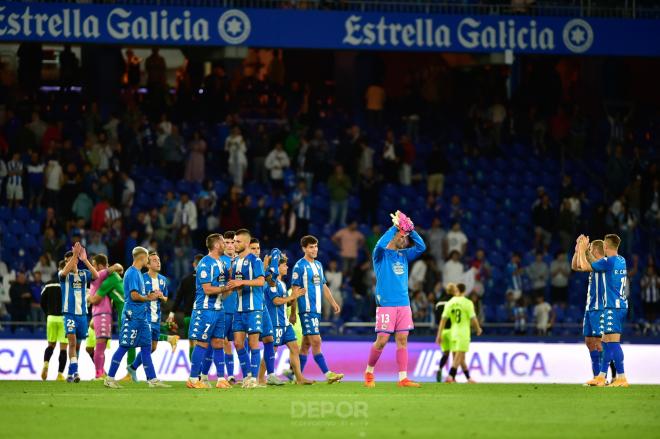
[16, 227]
[5, 214]
[22, 213]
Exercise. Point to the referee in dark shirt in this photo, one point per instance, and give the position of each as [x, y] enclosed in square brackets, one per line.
[51, 304]
[185, 298]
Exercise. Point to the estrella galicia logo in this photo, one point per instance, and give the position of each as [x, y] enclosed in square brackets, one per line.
[234, 26]
[578, 35]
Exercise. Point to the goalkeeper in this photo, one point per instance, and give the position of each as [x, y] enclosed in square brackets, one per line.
[391, 257]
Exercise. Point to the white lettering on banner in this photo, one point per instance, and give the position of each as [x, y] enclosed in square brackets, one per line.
[156, 26]
[67, 23]
[425, 33]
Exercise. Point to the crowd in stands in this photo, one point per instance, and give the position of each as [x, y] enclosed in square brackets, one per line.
[499, 200]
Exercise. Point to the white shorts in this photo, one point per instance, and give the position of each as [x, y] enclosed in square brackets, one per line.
[14, 192]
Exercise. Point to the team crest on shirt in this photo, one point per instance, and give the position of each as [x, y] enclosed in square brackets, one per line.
[295, 275]
[398, 268]
[162, 282]
[203, 275]
[316, 279]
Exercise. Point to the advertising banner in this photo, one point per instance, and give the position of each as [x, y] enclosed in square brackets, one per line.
[286, 28]
[488, 362]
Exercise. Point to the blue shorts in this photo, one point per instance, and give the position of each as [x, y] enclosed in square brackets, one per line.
[229, 325]
[591, 325]
[135, 333]
[310, 323]
[155, 331]
[613, 320]
[206, 324]
[248, 321]
[284, 335]
[75, 324]
[267, 330]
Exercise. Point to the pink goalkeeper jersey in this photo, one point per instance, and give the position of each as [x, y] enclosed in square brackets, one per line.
[105, 306]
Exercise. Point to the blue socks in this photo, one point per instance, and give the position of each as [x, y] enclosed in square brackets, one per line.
[607, 357]
[73, 367]
[255, 359]
[229, 364]
[138, 362]
[116, 360]
[196, 361]
[244, 360]
[617, 356]
[269, 357]
[145, 353]
[208, 360]
[595, 361]
[303, 361]
[320, 361]
[219, 360]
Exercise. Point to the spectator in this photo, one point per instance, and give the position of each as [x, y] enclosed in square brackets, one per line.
[196, 165]
[436, 168]
[617, 170]
[334, 279]
[566, 225]
[452, 272]
[186, 213]
[15, 181]
[339, 186]
[302, 205]
[156, 70]
[51, 243]
[478, 308]
[455, 209]
[369, 189]
[456, 240]
[560, 270]
[421, 309]
[46, 266]
[182, 251]
[173, 147]
[102, 151]
[365, 158]
[96, 246]
[417, 275]
[277, 161]
[127, 193]
[539, 274]
[38, 127]
[82, 206]
[259, 149]
[374, 236]
[21, 298]
[544, 316]
[36, 285]
[408, 159]
[482, 270]
[390, 158]
[236, 149]
[650, 284]
[520, 316]
[349, 240]
[543, 219]
[35, 180]
[515, 271]
[435, 239]
[375, 103]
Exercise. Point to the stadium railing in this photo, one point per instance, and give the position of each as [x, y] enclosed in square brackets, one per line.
[575, 8]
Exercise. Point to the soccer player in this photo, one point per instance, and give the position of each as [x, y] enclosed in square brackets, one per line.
[154, 282]
[460, 310]
[184, 300]
[445, 336]
[229, 304]
[73, 283]
[613, 270]
[266, 336]
[308, 275]
[101, 312]
[591, 324]
[391, 257]
[51, 304]
[208, 319]
[276, 304]
[247, 275]
[135, 328]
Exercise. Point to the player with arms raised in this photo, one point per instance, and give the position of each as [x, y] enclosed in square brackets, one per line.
[615, 304]
[393, 314]
[460, 310]
[73, 283]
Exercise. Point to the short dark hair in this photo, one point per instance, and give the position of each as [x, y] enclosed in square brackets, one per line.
[212, 239]
[612, 240]
[101, 259]
[461, 288]
[243, 232]
[61, 264]
[308, 240]
[254, 241]
[68, 254]
[283, 259]
[229, 234]
[153, 253]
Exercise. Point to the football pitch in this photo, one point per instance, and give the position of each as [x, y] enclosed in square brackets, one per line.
[31, 409]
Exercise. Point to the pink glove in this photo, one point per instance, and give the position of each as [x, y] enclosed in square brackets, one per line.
[402, 222]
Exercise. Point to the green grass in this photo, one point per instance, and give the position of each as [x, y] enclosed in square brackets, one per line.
[55, 409]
